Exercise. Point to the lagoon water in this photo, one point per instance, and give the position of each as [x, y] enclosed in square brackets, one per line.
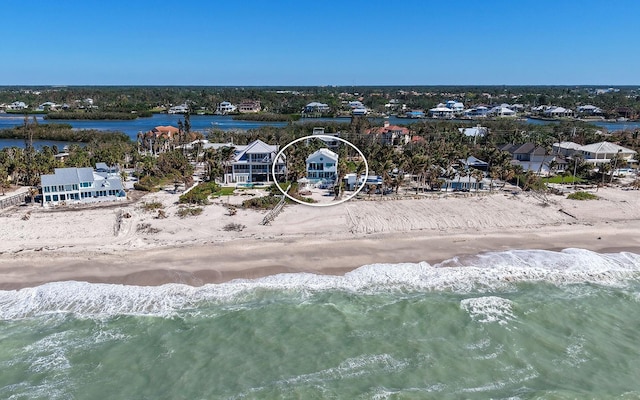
[509, 325]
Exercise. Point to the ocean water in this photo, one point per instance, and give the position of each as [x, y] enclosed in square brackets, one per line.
[509, 325]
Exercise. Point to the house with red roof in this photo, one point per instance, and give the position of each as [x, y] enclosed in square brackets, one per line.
[391, 134]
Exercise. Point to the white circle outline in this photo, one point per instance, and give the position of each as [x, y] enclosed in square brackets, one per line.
[273, 170]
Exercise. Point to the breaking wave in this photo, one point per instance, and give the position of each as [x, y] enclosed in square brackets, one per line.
[481, 273]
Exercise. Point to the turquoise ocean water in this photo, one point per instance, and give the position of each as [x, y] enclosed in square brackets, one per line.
[509, 325]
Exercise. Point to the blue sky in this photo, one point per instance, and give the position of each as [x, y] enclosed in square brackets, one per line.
[289, 43]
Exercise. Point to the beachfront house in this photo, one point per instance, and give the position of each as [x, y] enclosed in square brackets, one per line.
[322, 166]
[536, 158]
[81, 185]
[598, 153]
[253, 163]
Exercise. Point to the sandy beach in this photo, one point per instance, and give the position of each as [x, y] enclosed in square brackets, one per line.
[97, 245]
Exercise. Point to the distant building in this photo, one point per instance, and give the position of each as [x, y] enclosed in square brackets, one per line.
[225, 107]
[455, 106]
[476, 112]
[80, 185]
[441, 113]
[249, 107]
[589, 110]
[17, 105]
[316, 108]
[391, 134]
[327, 138]
[414, 114]
[322, 166]
[557, 112]
[477, 131]
[180, 109]
[501, 111]
[359, 111]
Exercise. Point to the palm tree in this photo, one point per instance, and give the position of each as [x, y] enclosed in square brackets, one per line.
[477, 175]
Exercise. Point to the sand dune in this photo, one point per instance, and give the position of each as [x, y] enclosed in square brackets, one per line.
[126, 244]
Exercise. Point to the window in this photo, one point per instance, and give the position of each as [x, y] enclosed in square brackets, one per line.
[46, 189]
[60, 188]
[47, 198]
[63, 197]
[74, 186]
[55, 197]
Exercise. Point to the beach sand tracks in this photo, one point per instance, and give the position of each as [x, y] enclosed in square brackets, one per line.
[451, 214]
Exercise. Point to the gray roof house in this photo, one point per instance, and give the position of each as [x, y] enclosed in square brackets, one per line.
[79, 185]
[253, 163]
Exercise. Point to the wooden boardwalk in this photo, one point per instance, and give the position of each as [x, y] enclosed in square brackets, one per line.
[13, 200]
[273, 213]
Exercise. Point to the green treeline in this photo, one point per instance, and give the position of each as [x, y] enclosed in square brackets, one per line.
[61, 132]
[267, 117]
[97, 115]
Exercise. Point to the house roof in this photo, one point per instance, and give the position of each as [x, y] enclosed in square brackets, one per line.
[67, 176]
[606, 147]
[325, 153]
[475, 131]
[524, 149]
[568, 145]
[390, 128]
[255, 147]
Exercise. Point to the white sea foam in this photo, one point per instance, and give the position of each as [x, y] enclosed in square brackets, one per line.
[478, 274]
[489, 309]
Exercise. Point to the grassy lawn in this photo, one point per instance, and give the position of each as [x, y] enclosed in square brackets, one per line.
[567, 180]
[224, 191]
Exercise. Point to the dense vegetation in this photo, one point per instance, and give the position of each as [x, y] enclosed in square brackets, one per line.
[96, 115]
[433, 154]
[61, 133]
[267, 117]
[291, 100]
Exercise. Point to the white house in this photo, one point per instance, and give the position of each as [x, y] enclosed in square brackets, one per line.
[477, 131]
[322, 165]
[17, 105]
[476, 112]
[604, 152]
[500, 111]
[360, 111]
[253, 163]
[316, 107]
[225, 108]
[557, 112]
[180, 109]
[80, 185]
[589, 110]
[456, 106]
[441, 113]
